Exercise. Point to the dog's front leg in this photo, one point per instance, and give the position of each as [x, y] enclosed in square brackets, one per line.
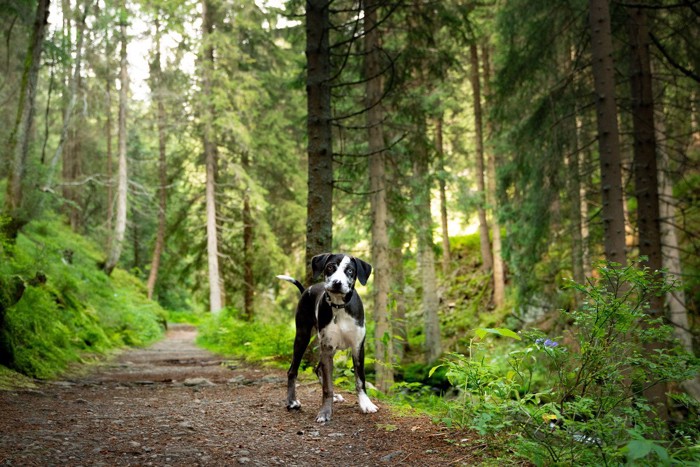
[325, 374]
[358, 361]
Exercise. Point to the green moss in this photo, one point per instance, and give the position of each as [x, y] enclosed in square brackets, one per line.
[69, 306]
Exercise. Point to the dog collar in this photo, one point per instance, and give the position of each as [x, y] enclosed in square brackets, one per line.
[334, 305]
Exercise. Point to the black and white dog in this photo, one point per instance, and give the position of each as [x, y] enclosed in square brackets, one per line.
[334, 308]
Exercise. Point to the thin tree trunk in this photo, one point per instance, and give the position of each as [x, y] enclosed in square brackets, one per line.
[675, 300]
[72, 98]
[584, 161]
[215, 294]
[398, 299]
[574, 185]
[426, 256]
[248, 252]
[446, 254]
[377, 179]
[110, 174]
[646, 175]
[487, 258]
[499, 275]
[18, 144]
[162, 167]
[612, 213]
[122, 174]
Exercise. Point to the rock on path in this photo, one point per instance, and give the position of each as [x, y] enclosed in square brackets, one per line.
[176, 404]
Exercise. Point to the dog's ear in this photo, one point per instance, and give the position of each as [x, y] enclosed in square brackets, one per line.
[363, 269]
[318, 263]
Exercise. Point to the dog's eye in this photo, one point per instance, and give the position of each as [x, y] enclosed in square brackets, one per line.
[350, 271]
[330, 269]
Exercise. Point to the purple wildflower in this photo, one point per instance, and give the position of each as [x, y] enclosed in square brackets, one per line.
[550, 343]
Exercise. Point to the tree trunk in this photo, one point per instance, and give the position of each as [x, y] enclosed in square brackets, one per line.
[612, 213]
[426, 256]
[72, 98]
[159, 87]
[122, 173]
[446, 255]
[675, 299]
[499, 275]
[215, 294]
[398, 299]
[575, 188]
[110, 174]
[248, 249]
[319, 207]
[487, 258]
[377, 180]
[18, 144]
[646, 175]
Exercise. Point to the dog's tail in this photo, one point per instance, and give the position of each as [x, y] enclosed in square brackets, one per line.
[293, 281]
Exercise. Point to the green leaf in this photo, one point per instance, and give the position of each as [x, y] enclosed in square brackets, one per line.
[432, 370]
[504, 332]
[638, 448]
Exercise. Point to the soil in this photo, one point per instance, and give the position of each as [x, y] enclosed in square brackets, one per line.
[176, 404]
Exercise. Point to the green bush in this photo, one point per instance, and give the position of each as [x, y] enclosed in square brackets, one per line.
[580, 399]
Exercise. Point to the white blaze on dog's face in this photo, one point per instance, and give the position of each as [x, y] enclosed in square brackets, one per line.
[340, 277]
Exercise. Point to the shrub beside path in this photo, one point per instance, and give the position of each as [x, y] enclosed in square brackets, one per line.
[176, 404]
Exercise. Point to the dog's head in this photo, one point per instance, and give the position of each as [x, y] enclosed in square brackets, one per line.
[340, 271]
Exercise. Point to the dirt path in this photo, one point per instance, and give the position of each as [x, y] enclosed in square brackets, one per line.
[175, 404]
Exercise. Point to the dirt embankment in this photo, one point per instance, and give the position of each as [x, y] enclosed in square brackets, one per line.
[175, 404]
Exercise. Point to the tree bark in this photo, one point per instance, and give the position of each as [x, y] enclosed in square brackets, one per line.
[248, 251]
[72, 97]
[675, 299]
[110, 170]
[319, 207]
[426, 256]
[18, 144]
[646, 175]
[486, 256]
[157, 78]
[215, 294]
[612, 213]
[377, 179]
[122, 172]
[499, 275]
[446, 255]
[576, 189]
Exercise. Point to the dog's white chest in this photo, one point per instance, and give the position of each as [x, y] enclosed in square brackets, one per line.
[342, 332]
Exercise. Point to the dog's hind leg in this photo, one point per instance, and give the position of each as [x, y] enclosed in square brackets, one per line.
[358, 361]
[301, 341]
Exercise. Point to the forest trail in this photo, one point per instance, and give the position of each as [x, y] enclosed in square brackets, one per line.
[176, 404]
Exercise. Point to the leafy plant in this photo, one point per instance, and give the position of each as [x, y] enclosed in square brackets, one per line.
[579, 398]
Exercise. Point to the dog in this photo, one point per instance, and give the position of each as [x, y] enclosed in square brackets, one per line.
[334, 308]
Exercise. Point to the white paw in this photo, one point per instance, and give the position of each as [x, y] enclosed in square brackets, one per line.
[323, 417]
[294, 405]
[366, 405]
[338, 398]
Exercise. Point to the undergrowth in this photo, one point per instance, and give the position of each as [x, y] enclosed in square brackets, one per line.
[57, 304]
[579, 398]
[253, 341]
